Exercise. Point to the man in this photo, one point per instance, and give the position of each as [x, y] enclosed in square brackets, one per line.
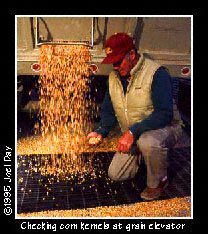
[139, 97]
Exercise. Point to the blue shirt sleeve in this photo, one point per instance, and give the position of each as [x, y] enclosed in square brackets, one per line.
[162, 102]
[107, 115]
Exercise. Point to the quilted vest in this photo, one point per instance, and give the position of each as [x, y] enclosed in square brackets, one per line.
[136, 104]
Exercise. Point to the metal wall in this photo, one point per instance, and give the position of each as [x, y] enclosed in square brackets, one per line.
[165, 39]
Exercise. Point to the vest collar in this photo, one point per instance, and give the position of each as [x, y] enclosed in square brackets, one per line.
[137, 66]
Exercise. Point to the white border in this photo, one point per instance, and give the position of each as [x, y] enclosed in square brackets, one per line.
[152, 16]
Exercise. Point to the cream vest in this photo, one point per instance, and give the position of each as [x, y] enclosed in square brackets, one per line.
[136, 105]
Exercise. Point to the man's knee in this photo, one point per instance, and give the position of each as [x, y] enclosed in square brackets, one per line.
[148, 142]
[114, 175]
[123, 167]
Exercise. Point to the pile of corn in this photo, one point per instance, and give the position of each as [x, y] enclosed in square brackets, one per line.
[42, 145]
[68, 163]
[175, 207]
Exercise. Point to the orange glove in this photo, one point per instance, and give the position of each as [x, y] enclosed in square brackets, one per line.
[94, 138]
[125, 142]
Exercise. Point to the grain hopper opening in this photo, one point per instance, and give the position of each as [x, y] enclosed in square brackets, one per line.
[41, 39]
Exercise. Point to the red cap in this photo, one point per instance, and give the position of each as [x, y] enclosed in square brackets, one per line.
[117, 46]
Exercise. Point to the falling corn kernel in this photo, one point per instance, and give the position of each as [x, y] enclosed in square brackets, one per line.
[66, 109]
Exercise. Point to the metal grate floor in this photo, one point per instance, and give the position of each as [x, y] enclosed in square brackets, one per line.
[36, 192]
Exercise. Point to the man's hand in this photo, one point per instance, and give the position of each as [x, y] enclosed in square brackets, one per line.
[125, 142]
[94, 138]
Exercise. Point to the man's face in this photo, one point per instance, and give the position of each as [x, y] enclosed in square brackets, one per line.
[124, 66]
